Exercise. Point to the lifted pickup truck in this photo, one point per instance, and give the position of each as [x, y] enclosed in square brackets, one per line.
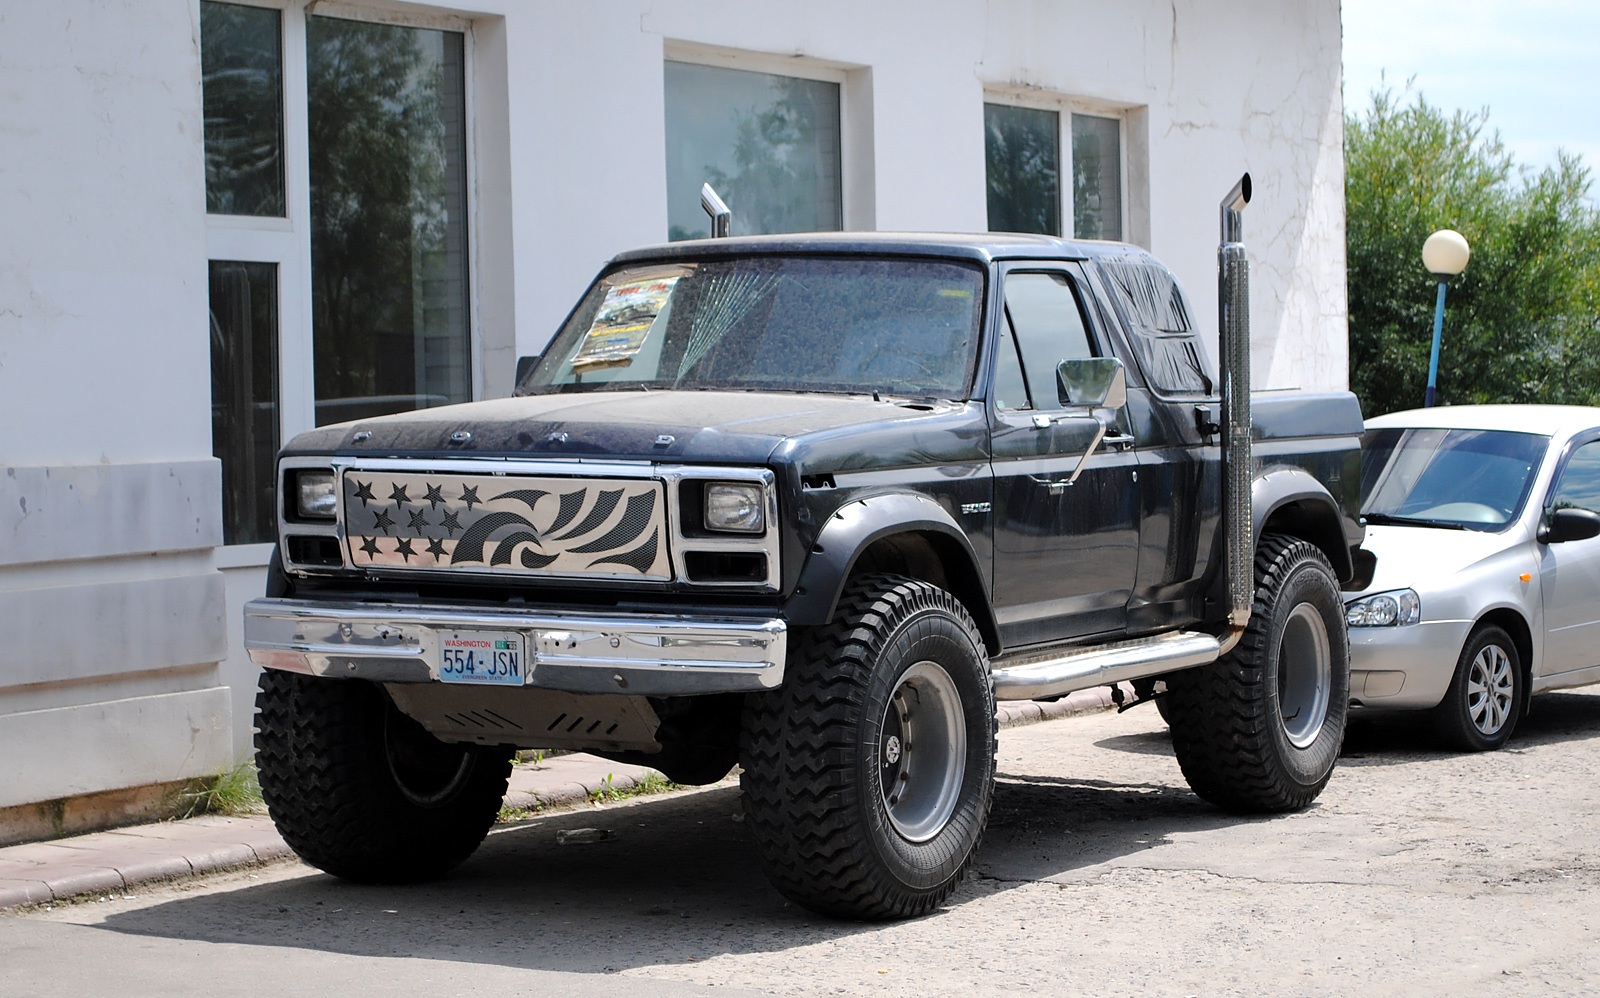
[810, 505]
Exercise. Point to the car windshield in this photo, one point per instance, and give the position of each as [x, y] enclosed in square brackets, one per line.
[1469, 479]
[776, 323]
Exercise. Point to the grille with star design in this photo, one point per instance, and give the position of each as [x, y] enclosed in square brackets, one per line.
[595, 527]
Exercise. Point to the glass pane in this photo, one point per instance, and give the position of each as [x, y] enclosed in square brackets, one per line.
[1096, 177]
[1049, 328]
[1022, 147]
[1476, 479]
[775, 323]
[241, 78]
[1155, 311]
[244, 395]
[1580, 481]
[768, 144]
[1010, 390]
[388, 218]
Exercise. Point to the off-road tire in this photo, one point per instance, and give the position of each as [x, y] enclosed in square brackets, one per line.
[1229, 735]
[1452, 718]
[814, 754]
[328, 752]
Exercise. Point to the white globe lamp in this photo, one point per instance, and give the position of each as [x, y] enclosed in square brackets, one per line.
[1445, 254]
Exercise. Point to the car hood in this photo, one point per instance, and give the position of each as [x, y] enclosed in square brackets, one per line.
[734, 427]
[1428, 557]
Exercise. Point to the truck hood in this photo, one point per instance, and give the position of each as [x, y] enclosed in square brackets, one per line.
[733, 427]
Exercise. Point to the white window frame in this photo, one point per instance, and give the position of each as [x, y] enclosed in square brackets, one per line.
[856, 180]
[1065, 107]
[286, 240]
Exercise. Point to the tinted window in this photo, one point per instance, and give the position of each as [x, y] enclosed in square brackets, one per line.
[1022, 153]
[1043, 313]
[768, 144]
[1096, 177]
[1580, 480]
[1477, 479]
[244, 395]
[1156, 315]
[1010, 389]
[241, 80]
[847, 324]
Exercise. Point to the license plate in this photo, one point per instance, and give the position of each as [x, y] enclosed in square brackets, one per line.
[494, 658]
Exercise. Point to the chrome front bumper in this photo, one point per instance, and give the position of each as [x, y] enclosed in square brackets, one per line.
[638, 654]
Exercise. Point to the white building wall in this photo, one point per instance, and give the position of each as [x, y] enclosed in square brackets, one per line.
[115, 611]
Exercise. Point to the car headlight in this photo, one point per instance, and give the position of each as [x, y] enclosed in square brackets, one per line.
[314, 496]
[735, 508]
[1391, 609]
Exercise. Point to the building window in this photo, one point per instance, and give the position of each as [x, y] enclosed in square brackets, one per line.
[1024, 148]
[387, 117]
[244, 395]
[769, 144]
[241, 73]
[1096, 177]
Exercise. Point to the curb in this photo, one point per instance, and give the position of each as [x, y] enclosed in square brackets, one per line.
[111, 862]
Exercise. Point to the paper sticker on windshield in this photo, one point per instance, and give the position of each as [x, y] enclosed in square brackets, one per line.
[623, 322]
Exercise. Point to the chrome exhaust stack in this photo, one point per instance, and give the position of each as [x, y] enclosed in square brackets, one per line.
[721, 214]
[1233, 308]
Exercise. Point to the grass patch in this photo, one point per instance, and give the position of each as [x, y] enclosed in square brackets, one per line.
[235, 792]
[653, 783]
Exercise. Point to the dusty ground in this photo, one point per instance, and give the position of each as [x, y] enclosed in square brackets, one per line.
[1417, 873]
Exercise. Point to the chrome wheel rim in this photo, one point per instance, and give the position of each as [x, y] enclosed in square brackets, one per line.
[922, 752]
[1491, 688]
[1305, 675]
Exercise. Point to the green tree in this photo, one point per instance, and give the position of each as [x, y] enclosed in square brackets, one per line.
[1521, 321]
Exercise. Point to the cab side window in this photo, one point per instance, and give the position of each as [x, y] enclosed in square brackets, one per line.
[1044, 320]
[1579, 487]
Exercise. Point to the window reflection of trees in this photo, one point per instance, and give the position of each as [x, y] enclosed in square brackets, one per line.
[1023, 150]
[241, 70]
[387, 152]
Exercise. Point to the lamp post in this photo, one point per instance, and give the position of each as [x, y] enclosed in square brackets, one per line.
[1445, 254]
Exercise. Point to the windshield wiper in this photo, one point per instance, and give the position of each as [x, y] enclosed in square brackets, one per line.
[1410, 521]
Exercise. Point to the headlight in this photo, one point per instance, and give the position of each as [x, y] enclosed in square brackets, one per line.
[1384, 609]
[735, 508]
[314, 498]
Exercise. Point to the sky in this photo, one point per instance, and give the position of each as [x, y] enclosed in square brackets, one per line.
[1534, 63]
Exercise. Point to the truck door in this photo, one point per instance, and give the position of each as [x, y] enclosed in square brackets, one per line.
[1065, 552]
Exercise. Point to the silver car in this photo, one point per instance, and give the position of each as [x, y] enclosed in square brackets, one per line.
[1484, 521]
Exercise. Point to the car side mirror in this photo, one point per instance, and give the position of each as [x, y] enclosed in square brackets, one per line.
[526, 364]
[1570, 525]
[1092, 382]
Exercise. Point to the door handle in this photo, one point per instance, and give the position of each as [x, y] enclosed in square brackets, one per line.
[1120, 439]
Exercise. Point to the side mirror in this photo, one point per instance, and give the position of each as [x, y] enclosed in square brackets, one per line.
[1092, 382]
[526, 364]
[1570, 525]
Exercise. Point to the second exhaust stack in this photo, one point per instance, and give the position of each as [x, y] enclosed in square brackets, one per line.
[1233, 306]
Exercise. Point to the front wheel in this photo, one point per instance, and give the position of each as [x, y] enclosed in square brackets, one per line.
[868, 776]
[360, 790]
[1486, 695]
[1260, 729]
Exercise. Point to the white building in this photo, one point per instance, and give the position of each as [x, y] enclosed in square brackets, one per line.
[222, 223]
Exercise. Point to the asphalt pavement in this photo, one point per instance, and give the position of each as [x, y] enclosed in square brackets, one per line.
[1418, 872]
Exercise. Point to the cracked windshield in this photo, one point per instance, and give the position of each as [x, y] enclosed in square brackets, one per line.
[1459, 479]
[903, 327]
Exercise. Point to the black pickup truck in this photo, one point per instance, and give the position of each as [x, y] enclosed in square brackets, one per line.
[810, 505]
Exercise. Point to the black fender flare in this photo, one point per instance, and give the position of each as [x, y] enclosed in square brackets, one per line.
[854, 527]
[1312, 513]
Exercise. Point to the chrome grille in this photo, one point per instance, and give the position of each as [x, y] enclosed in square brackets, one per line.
[517, 525]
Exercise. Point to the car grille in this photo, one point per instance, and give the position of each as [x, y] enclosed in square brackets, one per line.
[586, 527]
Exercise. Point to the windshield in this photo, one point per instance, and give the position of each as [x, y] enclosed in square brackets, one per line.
[1473, 479]
[841, 324]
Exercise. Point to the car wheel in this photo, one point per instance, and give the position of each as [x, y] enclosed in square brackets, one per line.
[360, 790]
[1259, 730]
[869, 774]
[1486, 696]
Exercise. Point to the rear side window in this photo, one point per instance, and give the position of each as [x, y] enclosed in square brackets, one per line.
[1159, 324]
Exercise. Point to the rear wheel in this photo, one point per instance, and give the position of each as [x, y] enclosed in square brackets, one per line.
[1260, 729]
[362, 791]
[1486, 696]
[868, 776]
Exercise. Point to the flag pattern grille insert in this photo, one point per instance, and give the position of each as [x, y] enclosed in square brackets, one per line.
[587, 527]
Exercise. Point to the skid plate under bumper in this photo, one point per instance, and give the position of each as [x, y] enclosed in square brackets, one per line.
[639, 654]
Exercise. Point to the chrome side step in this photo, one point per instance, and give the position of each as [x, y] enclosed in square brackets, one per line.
[1101, 665]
